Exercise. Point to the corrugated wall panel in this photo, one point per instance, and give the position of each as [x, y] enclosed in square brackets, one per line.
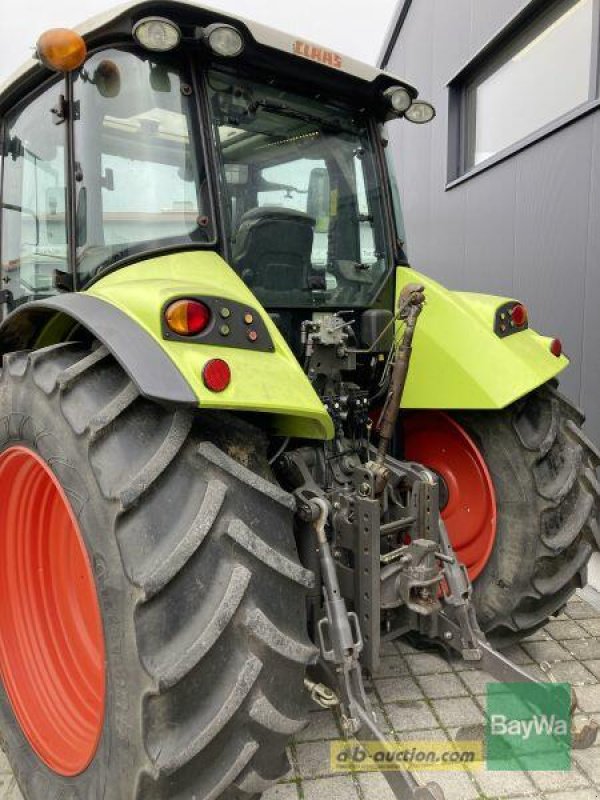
[590, 361]
[527, 227]
[490, 237]
[551, 226]
[487, 17]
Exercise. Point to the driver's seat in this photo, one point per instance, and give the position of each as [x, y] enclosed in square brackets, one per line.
[273, 248]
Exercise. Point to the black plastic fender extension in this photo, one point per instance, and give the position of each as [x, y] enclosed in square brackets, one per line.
[146, 363]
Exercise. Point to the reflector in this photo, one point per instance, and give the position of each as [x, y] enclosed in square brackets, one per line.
[216, 375]
[556, 347]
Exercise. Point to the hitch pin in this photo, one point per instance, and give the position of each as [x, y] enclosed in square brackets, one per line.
[320, 694]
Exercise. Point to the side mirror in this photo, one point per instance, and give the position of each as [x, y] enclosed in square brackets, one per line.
[318, 200]
[159, 78]
[107, 78]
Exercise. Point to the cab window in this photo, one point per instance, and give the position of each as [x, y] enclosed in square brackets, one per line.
[141, 184]
[303, 201]
[34, 221]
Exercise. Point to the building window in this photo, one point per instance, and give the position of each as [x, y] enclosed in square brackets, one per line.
[535, 73]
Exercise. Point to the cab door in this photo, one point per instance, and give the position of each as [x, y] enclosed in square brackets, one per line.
[34, 242]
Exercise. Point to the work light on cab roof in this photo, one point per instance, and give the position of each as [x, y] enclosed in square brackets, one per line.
[157, 33]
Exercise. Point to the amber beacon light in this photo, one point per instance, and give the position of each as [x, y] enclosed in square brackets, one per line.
[61, 49]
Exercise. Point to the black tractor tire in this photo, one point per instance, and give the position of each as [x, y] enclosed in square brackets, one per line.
[200, 588]
[548, 500]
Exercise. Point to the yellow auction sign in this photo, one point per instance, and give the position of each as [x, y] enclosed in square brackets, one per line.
[407, 755]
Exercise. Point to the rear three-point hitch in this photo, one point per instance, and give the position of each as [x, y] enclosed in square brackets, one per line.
[370, 526]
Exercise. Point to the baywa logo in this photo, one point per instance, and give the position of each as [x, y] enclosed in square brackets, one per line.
[524, 728]
[528, 726]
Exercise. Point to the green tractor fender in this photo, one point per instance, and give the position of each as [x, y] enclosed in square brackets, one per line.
[124, 310]
[460, 362]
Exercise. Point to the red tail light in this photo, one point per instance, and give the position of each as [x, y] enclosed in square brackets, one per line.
[556, 347]
[187, 317]
[216, 375]
[518, 315]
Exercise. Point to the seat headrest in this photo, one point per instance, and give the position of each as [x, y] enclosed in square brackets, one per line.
[277, 213]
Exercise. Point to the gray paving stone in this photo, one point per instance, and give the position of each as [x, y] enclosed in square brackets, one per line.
[594, 667]
[589, 763]
[375, 787]
[457, 785]
[391, 667]
[589, 698]
[339, 788]
[566, 630]
[458, 712]
[314, 760]
[547, 651]
[389, 649]
[402, 688]
[408, 717]
[382, 719]
[592, 626]
[580, 794]
[573, 672]
[585, 649]
[559, 781]
[322, 726]
[291, 773]
[504, 784]
[431, 735]
[12, 791]
[581, 610]
[427, 664]
[477, 681]
[283, 791]
[445, 685]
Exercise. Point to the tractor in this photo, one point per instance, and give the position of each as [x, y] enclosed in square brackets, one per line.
[243, 444]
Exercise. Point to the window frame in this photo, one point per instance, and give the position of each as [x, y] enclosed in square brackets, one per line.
[521, 29]
[189, 64]
[54, 81]
[394, 253]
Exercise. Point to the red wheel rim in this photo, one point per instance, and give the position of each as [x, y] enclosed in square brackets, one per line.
[441, 444]
[51, 639]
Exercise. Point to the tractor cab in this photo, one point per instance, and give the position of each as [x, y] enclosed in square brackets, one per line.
[197, 132]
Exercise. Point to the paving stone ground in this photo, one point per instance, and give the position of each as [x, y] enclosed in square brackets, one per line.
[422, 696]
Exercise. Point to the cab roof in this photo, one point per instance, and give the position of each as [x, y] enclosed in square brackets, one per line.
[316, 61]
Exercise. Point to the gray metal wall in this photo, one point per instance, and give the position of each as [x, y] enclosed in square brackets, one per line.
[528, 227]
